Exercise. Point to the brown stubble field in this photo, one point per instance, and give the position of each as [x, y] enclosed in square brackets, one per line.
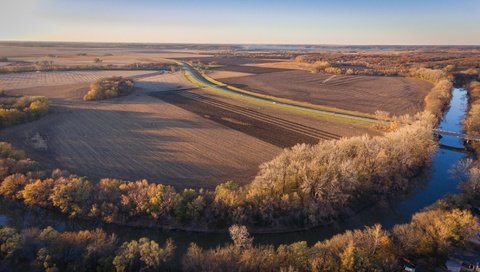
[78, 55]
[192, 139]
[396, 95]
[293, 80]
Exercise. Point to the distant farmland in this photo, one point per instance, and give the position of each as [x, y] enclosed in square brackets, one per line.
[396, 95]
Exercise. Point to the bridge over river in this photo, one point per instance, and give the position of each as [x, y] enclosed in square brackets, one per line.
[466, 137]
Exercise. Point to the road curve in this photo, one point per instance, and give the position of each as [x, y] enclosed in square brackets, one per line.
[202, 81]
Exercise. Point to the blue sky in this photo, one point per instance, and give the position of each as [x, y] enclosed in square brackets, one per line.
[210, 21]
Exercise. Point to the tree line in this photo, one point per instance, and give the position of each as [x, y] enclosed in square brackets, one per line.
[49, 65]
[426, 240]
[49, 250]
[438, 99]
[472, 120]
[388, 63]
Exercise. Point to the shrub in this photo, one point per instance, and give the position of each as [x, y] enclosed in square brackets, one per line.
[26, 108]
[109, 88]
[321, 66]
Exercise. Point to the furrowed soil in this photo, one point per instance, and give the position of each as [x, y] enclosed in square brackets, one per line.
[368, 94]
[38, 79]
[293, 80]
[271, 129]
[138, 136]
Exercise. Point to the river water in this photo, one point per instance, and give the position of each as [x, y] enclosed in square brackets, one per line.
[435, 185]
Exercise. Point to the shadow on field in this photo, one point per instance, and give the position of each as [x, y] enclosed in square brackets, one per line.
[274, 130]
[129, 144]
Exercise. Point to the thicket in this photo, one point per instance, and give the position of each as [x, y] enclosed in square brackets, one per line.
[392, 63]
[14, 110]
[472, 120]
[109, 87]
[426, 239]
[49, 250]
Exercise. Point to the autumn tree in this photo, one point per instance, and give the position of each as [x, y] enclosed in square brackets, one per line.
[143, 255]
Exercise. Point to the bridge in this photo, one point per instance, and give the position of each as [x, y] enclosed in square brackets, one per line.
[466, 137]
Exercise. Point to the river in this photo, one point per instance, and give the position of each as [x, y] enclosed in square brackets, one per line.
[437, 183]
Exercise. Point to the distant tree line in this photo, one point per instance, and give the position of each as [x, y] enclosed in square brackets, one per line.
[389, 63]
[49, 65]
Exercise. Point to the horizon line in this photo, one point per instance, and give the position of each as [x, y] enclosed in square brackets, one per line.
[227, 43]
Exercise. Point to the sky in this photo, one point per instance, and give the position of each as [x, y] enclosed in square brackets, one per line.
[359, 22]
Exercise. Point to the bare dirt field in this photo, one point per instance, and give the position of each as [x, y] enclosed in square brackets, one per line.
[396, 95]
[242, 65]
[80, 55]
[38, 79]
[293, 80]
[269, 128]
[219, 74]
[138, 136]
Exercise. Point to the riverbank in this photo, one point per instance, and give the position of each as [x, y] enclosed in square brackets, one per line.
[387, 213]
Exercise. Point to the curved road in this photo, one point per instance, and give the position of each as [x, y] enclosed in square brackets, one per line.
[202, 81]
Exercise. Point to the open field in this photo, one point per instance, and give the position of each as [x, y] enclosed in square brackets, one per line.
[187, 138]
[138, 136]
[85, 55]
[219, 74]
[365, 93]
[39, 79]
[269, 128]
[293, 80]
